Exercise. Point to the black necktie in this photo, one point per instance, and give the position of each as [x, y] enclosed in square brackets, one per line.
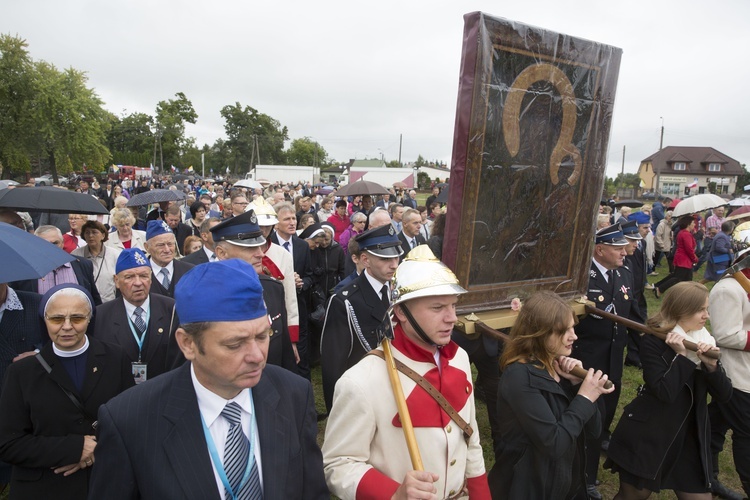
[384, 296]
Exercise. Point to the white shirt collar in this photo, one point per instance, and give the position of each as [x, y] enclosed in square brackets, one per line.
[374, 283]
[208, 252]
[602, 269]
[130, 308]
[12, 302]
[157, 269]
[211, 404]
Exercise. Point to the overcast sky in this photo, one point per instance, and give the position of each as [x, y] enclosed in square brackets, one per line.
[353, 76]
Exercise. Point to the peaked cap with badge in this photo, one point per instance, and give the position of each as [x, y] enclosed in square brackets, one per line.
[242, 230]
[381, 242]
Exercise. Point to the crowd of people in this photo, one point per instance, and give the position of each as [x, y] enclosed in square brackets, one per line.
[126, 371]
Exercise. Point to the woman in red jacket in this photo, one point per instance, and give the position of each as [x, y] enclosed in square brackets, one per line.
[684, 257]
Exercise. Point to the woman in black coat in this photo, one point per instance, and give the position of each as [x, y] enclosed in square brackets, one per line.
[542, 417]
[662, 439]
[45, 435]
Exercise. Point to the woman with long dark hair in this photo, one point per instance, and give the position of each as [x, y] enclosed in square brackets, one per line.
[662, 440]
[544, 410]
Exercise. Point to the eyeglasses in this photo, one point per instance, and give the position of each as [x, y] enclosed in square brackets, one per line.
[75, 319]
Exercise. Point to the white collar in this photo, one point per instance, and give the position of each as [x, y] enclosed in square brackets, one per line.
[12, 302]
[211, 404]
[71, 354]
[603, 270]
[208, 252]
[374, 283]
[157, 269]
[130, 308]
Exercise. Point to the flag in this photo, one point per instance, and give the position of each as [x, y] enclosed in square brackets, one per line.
[693, 184]
[115, 168]
[174, 169]
[151, 166]
[190, 168]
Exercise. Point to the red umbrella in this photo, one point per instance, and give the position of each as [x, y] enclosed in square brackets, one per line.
[739, 213]
[674, 203]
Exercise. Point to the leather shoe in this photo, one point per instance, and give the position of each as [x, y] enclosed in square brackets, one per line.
[722, 491]
[592, 492]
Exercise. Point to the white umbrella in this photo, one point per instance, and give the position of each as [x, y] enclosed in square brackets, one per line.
[248, 183]
[698, 203]
[739, 202]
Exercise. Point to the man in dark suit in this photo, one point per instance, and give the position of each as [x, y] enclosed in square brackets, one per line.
[168, 438]
[354, 314]
[286, 237]
[601, 342]
[80, 271]
[411, 223]
[206, 253]
[635, 261]
[21, 329]
[241, 238]
[181, 230]
[161, 246]
[143, 324]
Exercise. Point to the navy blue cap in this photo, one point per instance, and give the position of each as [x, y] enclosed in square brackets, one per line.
[381, 242]
[242, 230]
[630, 230]
[129, 259]
[227, 290]
[156, 228]
[611, 235]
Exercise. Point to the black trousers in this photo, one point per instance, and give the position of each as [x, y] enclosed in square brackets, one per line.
[607, 405]
[732, 415]
[679, 274]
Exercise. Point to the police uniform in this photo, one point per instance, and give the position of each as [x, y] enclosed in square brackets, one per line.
[601, 342]
[243, 230]
[637, 265]
[354, 314]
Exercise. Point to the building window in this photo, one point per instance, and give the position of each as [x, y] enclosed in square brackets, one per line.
[680, 165]
[670, 188]
[714, 167]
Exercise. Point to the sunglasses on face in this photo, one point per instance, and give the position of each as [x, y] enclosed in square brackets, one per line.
[75, 319]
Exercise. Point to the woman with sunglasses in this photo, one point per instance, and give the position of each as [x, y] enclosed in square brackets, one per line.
[49, 402]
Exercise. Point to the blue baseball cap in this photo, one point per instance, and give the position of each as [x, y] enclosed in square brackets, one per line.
[381, 242]
[242, 230]
[157, 228]
[611, 235]
[227, 290]
[131, 258]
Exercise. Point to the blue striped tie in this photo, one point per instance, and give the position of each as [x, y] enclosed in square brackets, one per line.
[140, 325]
[236, 454]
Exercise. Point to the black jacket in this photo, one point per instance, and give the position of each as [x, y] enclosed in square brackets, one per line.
[280, 350]
[542, 422]
[650, 423]
[328, 267]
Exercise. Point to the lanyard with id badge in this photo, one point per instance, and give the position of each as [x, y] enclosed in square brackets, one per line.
[139, 368]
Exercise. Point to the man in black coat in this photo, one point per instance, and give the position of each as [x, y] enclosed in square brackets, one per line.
[355, 313]
[181, 230]
[411, 223]
[635, 261]
[206, 253]
[240, 237]
[141, 323]
[161, 246]
[601, 342]
[81, 269]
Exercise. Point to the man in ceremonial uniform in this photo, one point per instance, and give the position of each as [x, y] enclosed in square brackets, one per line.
[161, 245]
[601, 342]
[729, 307]
[240, 237]
[223, 425]
[364, 451]
[142, 323]
[635, 261]
[355, 313]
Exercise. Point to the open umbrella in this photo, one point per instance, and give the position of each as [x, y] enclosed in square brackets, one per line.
[51, 200]
[325, 190]
[400, 185]
[361, 188]
[155, 196]
[698, 203]
[739, 202]
[674, 203]
[25, 256]
[740, 213]
[248, 183]
[4, 184]
[629, 203]
[443, 196]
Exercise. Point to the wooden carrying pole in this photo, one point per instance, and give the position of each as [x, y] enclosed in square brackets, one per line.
[577, 371]
[634, 325]
[403, 410]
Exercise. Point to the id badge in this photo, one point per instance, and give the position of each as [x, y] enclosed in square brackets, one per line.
[140, 372]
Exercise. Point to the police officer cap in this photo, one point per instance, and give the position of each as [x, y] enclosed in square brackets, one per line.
[242, 230]
[630, 230]
[227, 290]
[381, 242]
[611, 235]
[157, 228]
[129, 259]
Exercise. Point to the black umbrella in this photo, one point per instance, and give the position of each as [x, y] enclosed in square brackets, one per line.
[443, 196]
[51, 200]
[629, 203]
[441, 185]
[361, 188]
[25, 256]
[155, 196]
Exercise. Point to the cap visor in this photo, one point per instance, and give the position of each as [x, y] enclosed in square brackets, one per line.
[250, 242]
[386, 253]
[619, 242]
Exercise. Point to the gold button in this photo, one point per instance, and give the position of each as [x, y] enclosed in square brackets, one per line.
[448, 429]
[271, 334]
[453, 462]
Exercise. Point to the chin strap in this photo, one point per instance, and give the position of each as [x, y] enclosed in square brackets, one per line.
[422, 335]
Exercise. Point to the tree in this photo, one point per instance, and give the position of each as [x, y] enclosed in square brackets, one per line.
[171, 116]
[70, 121]
[252, 136]
[305, 151]
[628, 181]
[131, 140]
[393, 164]
[420, 162]
[742, 181]
[17, 90]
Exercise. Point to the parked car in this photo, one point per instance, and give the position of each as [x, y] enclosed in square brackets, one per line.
[46, 180]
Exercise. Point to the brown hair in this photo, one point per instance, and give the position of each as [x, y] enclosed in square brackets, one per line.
[544, 314]
[682, 300]
[95, 224]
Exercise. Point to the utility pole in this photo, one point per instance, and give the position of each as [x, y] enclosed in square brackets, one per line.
[400, 143]
[622, 171]
[657, 189]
